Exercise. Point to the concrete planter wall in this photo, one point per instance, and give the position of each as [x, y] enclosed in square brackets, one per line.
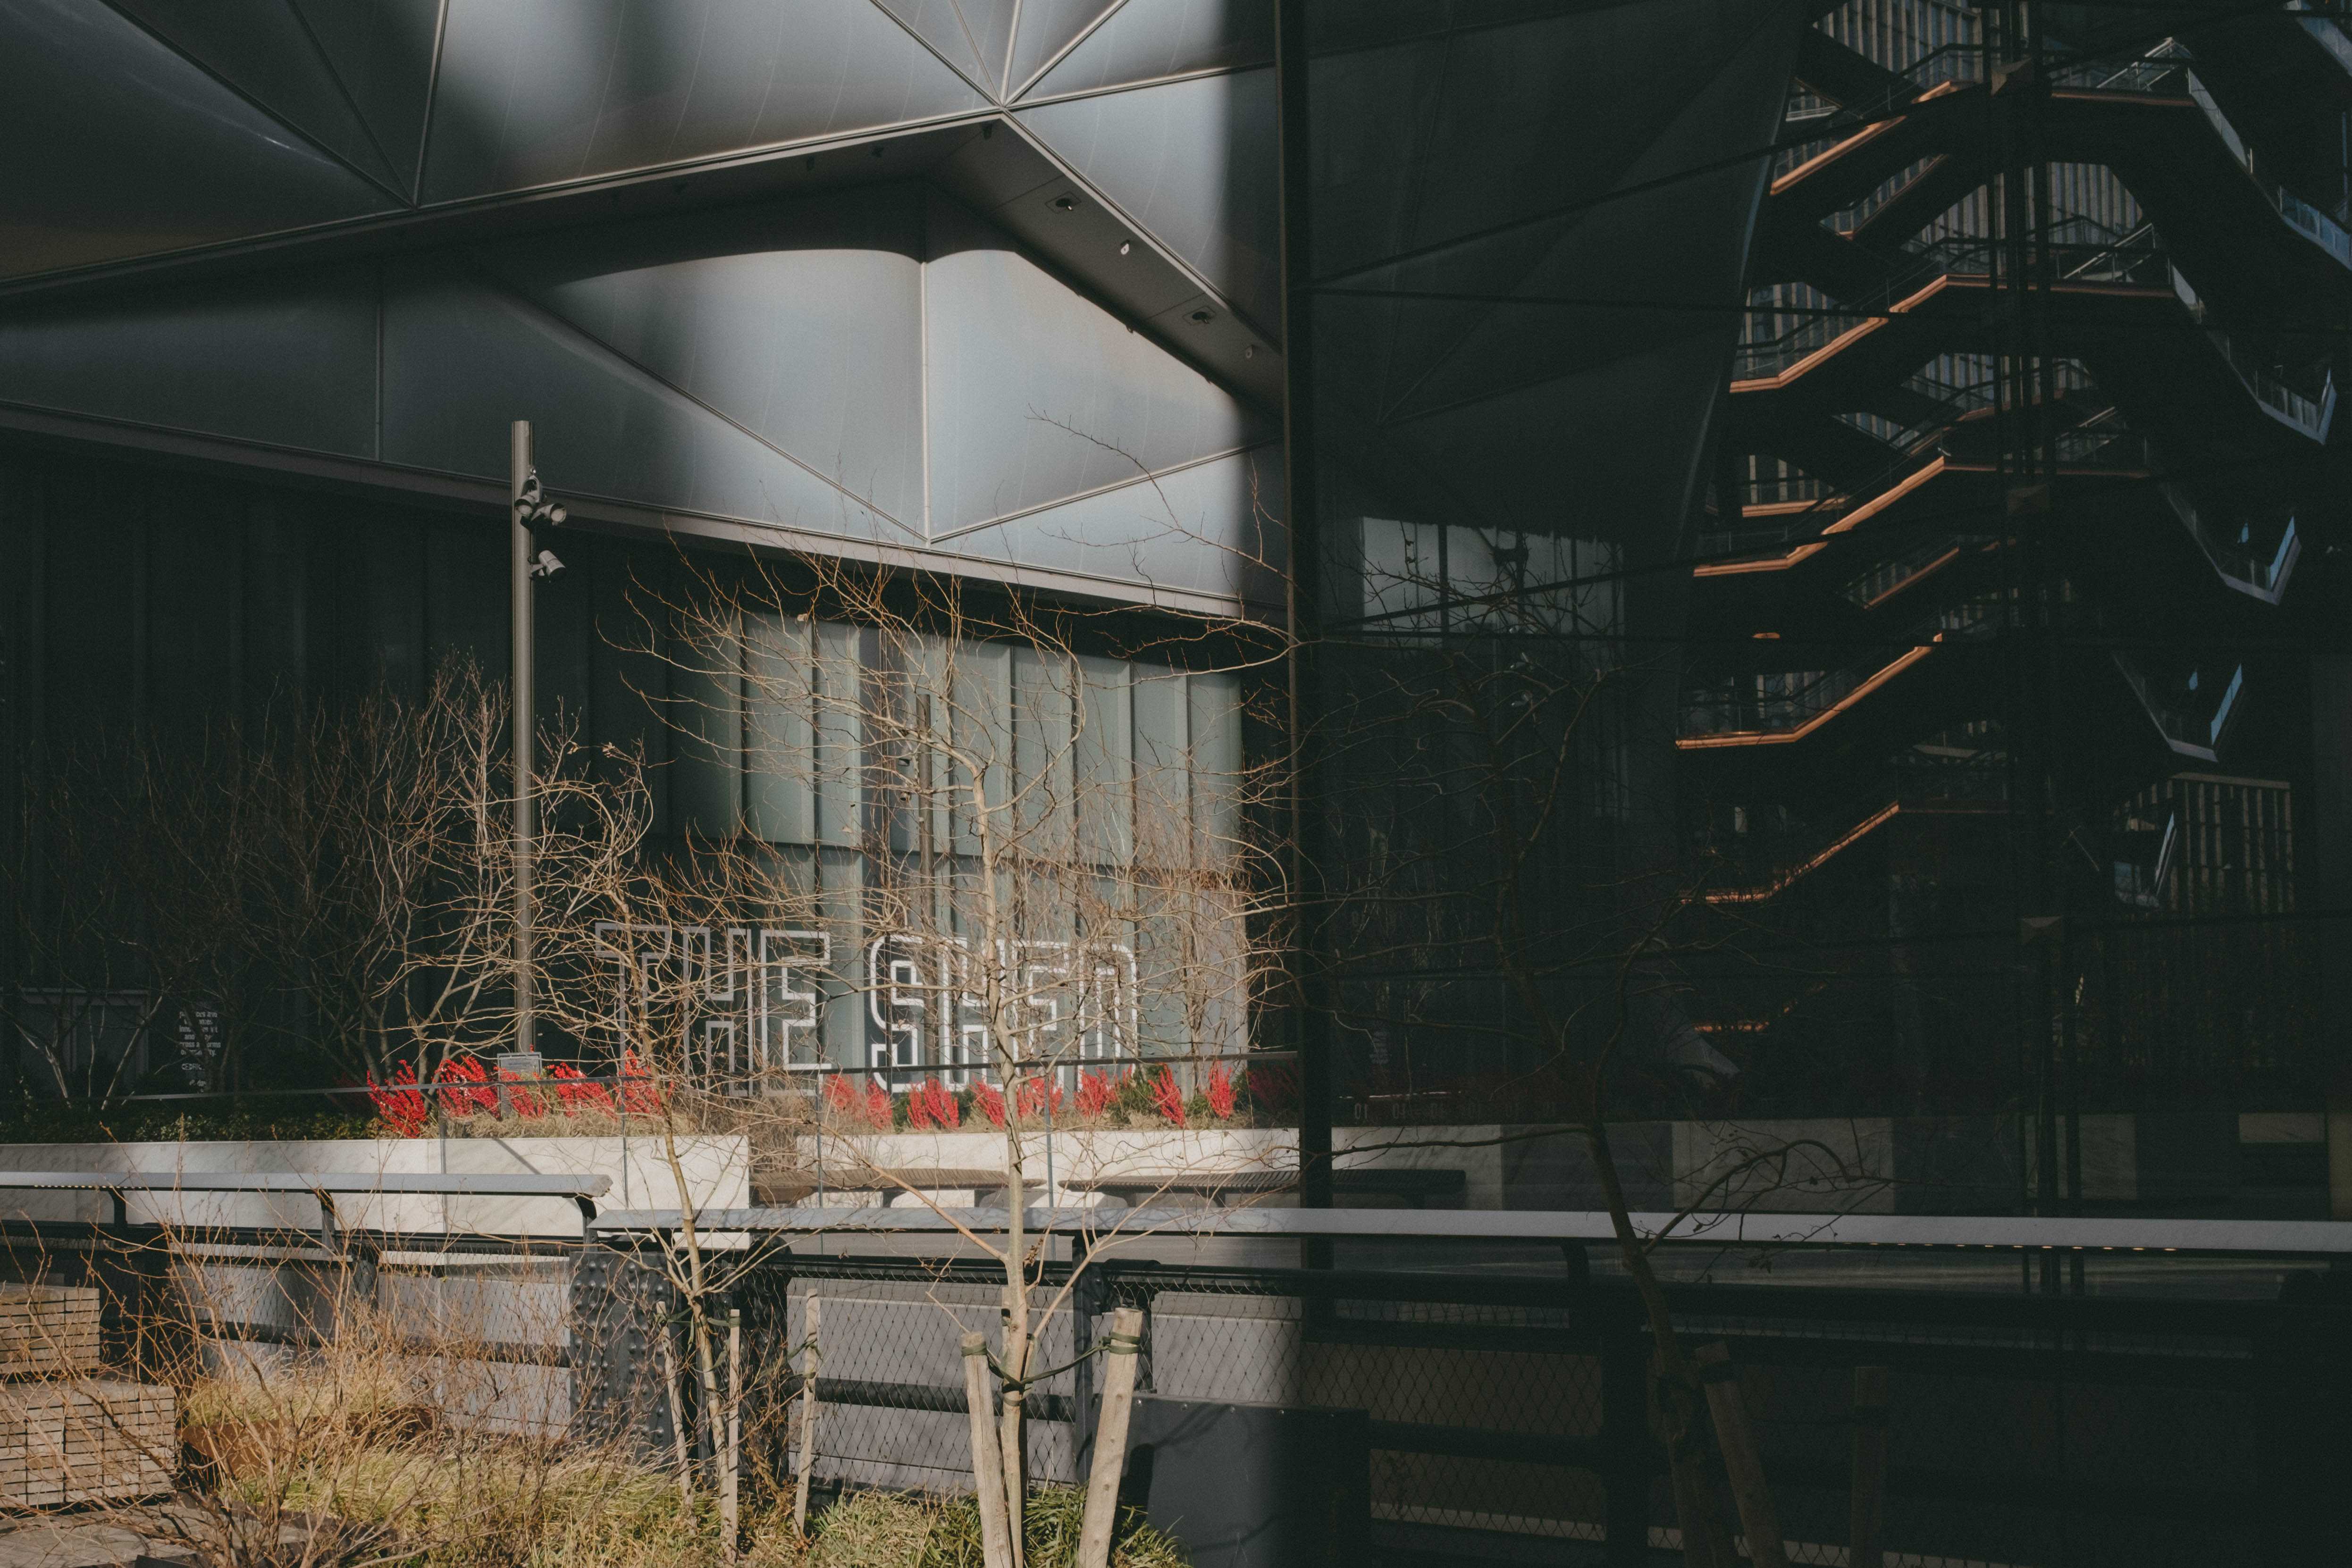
[718, 1172]
[1091, 1155]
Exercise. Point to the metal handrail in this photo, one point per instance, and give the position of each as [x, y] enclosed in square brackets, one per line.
[1811, 693]
[2312, 417]
[2261, 1237]
[323, 1185]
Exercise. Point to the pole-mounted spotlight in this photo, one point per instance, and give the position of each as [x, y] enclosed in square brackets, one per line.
[535, 512]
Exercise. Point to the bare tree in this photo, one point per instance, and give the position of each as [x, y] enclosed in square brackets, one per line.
[1508, 895]
[984, 854]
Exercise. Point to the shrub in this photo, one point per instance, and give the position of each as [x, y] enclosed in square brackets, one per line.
[1167, 1100]
[1097, 1091]
[398, 1103]
[576, 1096]
[1274, 1088]
[467, 1091]
[931, 1105]
[1221, 1093]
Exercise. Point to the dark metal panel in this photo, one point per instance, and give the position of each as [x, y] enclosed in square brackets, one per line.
[624, 1308]
[1164, 38]
[382, 54]
[195, 608]
[1010, 180]
[1037, 394]
[120, 147]
[279, 607]
[465, 569]
[1192, 161]
[289, 359]
[706, 721]
[1047, 28]
[1490, 243]
[265, 50]
[74, 432]
[620, 673]
[973, 35]
[96, 523]
[801, 322]
[462, 359]
[385, 605]
[535, 92]
[1208, 530]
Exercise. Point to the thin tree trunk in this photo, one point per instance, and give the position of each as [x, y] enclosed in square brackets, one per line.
[1110, 1439]
[1737, 1437]
[987, 1472]
[1012, 1446]
[1705, 1539]
[730, 1479]
[810, 1360]
[678, 1422]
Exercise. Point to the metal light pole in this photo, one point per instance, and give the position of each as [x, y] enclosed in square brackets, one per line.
[529, 509]
[526, 708]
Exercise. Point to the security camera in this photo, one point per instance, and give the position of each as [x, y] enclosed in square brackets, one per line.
[546, 565]
[534, 509]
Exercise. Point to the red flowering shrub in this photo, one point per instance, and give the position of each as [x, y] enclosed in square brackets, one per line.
[1040, 1095]
[1275, 1088]
[987, 1102]
[464, 1087]
[1167, 1099]
[929, 1105]
[574, 1095]
[1095, 1092]
[1221, 1093]
[870, 1104]
[398, 1104]
[638, 1096]
[839, 1097]
[523, 1103]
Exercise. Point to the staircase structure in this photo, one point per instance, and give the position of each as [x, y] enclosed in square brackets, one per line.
[2026, 445]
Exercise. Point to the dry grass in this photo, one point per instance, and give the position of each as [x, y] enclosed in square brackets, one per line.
[536, 1508]
[883, 1529]
[356, 1450]
[339, 1464]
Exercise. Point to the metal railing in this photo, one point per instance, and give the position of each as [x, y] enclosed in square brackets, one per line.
[2193, 730]
[2252, 571]
[1515, 1405]
[1782, 702]
[324, 1187]
[2312, 416]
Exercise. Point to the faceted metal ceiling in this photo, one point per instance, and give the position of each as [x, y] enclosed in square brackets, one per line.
[955, 274]
[164, 128]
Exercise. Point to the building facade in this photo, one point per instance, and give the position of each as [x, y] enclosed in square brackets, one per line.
[1811, 528]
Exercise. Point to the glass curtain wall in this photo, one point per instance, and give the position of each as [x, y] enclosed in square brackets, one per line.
[1816, 547]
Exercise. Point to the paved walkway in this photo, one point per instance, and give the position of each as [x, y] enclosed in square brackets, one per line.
[115, 1538]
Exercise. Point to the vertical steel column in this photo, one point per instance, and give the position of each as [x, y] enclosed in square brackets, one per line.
[525, 710]
[1311, 1001]
[2014, 83]
[1625, 1436]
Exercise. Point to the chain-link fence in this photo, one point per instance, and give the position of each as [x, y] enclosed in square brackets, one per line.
[2020, 1429]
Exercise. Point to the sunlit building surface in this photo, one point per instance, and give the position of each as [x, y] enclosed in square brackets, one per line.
[1817, 528]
